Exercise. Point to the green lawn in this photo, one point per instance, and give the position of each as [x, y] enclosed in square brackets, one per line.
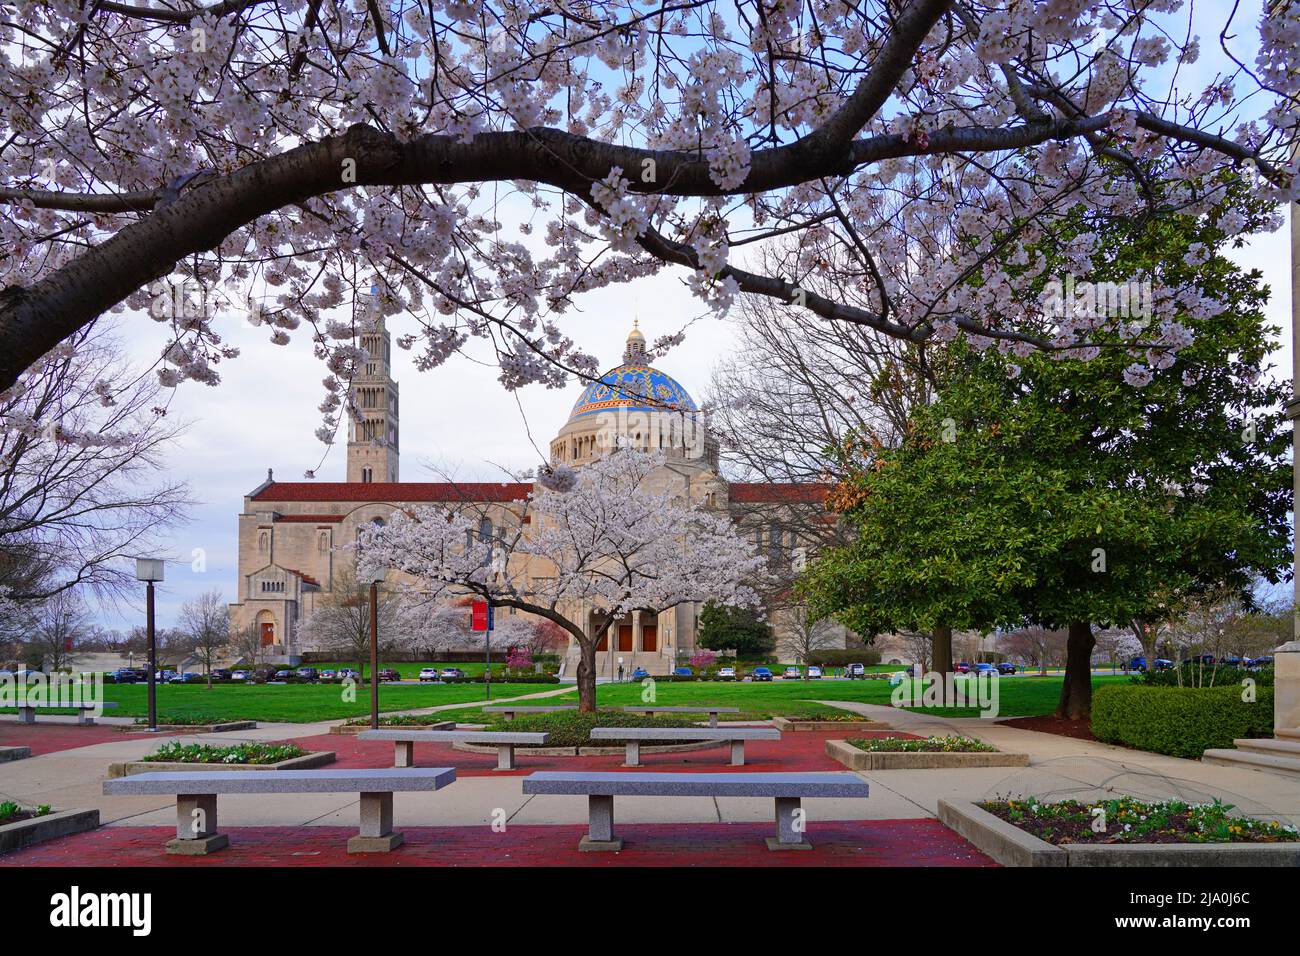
[294, 703]
[1018, 696]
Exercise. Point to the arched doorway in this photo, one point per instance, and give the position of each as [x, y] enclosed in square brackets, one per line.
[266, 628]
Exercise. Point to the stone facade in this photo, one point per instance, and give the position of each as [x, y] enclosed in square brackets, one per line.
[291, 534]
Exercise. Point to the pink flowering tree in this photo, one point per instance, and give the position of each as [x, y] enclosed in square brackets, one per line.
[596, 547]
[486, 163]
[703, 660]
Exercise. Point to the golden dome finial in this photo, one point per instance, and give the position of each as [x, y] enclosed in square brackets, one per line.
[635, 353]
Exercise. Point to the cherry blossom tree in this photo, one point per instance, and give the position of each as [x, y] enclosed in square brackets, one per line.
[596, 545]
[485, 163]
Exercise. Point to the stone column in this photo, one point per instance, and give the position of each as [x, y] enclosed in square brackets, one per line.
[1286, 689]
[1286, 692]
[636, 632]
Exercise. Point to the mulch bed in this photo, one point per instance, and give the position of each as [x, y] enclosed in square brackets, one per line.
[1079, 729]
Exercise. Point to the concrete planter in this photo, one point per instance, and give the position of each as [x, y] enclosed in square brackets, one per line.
[1012, 846]
[196, 728]
[15, 836]
[351, 730]
[14, 753]
[856, 759]
[305, 762]
[782, 724]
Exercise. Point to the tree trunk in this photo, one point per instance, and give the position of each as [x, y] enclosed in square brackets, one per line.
[942, 650]
[587, 677]
[1076, 688]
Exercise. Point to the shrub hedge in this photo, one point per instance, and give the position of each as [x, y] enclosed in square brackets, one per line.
[1179, 721]
[1204, 675]
[838, 658]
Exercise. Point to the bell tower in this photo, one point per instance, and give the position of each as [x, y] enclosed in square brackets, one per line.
[372, 435]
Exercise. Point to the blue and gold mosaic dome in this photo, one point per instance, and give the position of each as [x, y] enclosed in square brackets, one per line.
[633, 386]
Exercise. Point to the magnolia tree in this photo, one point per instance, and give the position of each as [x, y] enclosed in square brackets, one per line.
[586, 548]
[484, 163]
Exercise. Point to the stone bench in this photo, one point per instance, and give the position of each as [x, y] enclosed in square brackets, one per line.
[736, 736]
[27, 712]
[404, 742]
[787, 789]
[196, 799]
[511, 711]
[711, 711]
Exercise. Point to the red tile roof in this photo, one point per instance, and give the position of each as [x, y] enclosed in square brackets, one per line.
[393, 491]
[774, 492]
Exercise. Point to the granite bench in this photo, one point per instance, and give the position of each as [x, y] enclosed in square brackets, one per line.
[787, 789]
[510, 712]
[505, 741]
[27, 712]
[196, 799]
[736, 736]
[711, 711]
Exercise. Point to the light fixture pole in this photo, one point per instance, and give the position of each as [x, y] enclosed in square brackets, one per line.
[150, 571]
[375, 581]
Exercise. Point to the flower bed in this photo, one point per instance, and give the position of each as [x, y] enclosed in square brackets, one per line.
[1126, 820]
[929, 745]
[251, 753]
[920, 753]
[195, 724]
[11, 812]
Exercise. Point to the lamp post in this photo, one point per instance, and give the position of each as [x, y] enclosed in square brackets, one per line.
[376, 579]
[150, 571]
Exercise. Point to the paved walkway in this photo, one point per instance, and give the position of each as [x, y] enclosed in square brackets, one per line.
[1065, 767]
[69, 775]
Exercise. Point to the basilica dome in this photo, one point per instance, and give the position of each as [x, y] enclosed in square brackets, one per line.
[634, 405]
[633, 386]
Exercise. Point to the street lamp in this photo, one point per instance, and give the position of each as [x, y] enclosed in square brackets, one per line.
[150, 571]
[376, 579]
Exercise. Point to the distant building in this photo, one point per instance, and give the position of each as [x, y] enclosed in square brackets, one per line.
[291, 533]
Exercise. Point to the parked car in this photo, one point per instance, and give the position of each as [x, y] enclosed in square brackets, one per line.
[240, 674]
[683, 672]
[388, 673]
[452, 672]
[164, 677]
[349, 673]
[962, 667]
[124, 676]
[1006, 667]
[189, 677]
[428, 674]
[220, 673]
[1265, 661]
[727, 672]
[283, 674]
[855, 671]
[1199, 659]
[761, 673]
[640, 674]
[1163, 664]
[792, 673]
[307, 673]
[1233, 662]
[814, 672]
